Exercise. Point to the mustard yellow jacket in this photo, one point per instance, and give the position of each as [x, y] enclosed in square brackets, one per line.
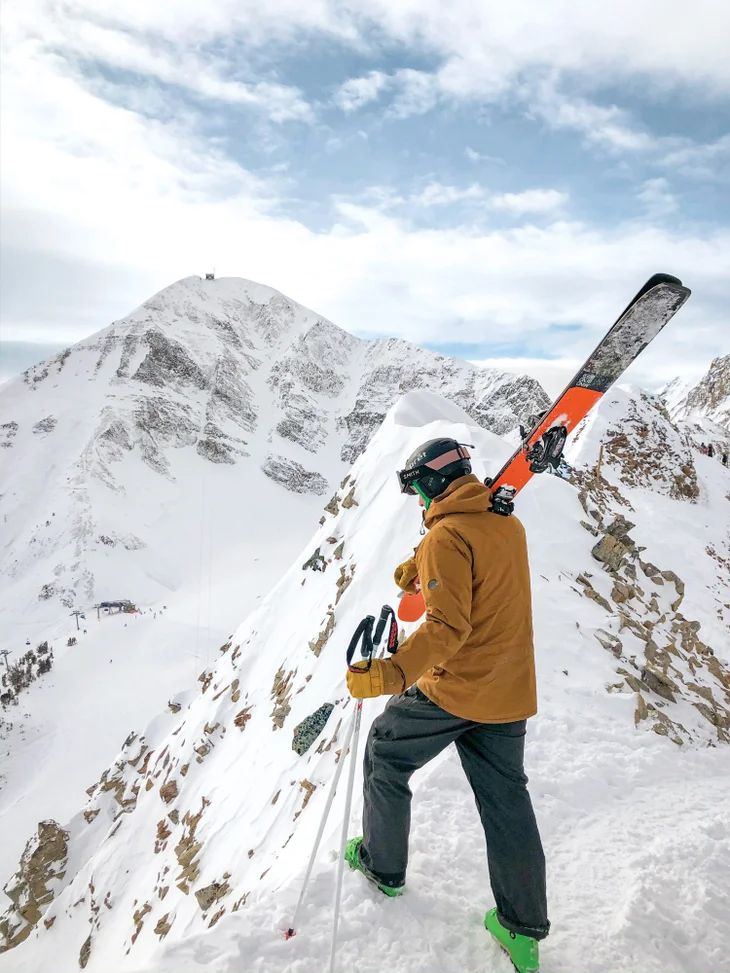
[473, 654]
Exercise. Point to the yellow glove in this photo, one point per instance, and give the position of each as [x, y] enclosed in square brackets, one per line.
[384, 678]
[406, 575]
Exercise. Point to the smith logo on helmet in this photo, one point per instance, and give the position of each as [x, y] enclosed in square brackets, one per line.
[431, 467]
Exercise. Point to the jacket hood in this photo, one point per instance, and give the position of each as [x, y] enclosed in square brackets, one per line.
[467, 495]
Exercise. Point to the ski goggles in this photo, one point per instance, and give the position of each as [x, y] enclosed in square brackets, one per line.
[406, 478]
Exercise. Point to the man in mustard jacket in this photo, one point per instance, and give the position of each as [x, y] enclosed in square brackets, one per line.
[465, 676]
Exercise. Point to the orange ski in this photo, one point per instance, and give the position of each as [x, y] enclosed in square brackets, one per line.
[654, 306]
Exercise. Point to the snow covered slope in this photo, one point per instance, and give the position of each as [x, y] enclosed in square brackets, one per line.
[218, 406]
[179, 459]
[191, 848]
[709, 399]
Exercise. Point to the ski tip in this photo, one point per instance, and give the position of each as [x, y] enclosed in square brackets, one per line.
[667, 279]
[658, 280]
[662, 279]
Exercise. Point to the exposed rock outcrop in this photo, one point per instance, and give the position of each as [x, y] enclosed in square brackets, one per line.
[292, 475]
[667, 664]
[44, 426]
[651, 453]
[31, 889]
[306, 732]
[8, 432]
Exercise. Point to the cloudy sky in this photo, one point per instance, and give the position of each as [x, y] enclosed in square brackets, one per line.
[492, 180]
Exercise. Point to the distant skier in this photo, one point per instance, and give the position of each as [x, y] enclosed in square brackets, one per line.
[465, 676]
[724, 458]
[710, 450]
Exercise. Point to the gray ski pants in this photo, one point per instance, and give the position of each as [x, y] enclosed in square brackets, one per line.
[411, 731]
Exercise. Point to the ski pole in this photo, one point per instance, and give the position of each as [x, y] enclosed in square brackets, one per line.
[364, 627]
[291, 931]
[343, 835]
[369, 646]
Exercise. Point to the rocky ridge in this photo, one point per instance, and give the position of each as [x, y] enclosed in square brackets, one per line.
[660, 656]
[637, 451]
[709, 398]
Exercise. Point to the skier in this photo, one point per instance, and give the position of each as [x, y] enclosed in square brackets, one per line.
[710, 450]
[724, 458]
[465, 676]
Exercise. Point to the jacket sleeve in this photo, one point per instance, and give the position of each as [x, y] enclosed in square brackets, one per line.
[445, 568]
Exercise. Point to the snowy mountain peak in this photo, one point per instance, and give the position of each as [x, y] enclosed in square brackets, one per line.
[709, 398]
[122, 434]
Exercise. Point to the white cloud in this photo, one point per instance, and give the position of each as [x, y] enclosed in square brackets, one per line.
[103, 189]
[485, 46]
[100, 186]
[612, 128]
[191, 23]
[414, 92]
[473, 156]
[355, 93]
[487, 50]
[657, 198]
[71, 43]
[704, 161]
[417, 92]
[433, 194]
[438, 194]
[98, 179]
[530, 201]
[549, 61]
[605, 125]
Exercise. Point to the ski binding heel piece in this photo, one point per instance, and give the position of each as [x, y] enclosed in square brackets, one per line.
[502, 501]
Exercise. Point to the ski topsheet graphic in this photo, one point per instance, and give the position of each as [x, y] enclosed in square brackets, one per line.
[656, 303]
[542, 445]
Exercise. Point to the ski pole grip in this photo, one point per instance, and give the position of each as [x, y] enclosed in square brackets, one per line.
[385, 612]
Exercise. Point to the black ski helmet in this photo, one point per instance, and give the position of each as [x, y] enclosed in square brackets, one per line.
[433, 466]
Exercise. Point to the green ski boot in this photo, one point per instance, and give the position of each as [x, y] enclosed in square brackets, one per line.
[352, 857]
[522, 950]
